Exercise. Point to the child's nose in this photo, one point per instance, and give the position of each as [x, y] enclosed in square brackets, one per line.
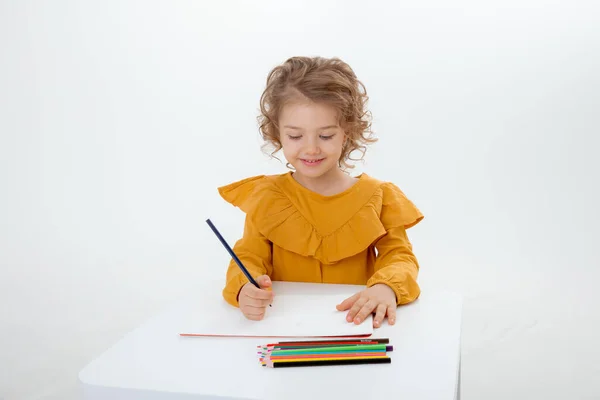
[312, 147]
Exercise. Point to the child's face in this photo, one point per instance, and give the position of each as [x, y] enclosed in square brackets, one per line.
[311, 137]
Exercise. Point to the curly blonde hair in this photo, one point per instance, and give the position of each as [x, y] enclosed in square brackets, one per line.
[321, 80]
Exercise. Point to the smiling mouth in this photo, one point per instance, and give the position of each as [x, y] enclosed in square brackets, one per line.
[312, 161]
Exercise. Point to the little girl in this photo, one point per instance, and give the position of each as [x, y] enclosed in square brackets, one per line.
[317, 223]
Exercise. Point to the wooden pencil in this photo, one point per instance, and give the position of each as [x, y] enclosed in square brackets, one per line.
[334, 349]
[340, 341]
[317, 353]
[328, 356]
[314, 346]
[327, 362]
[268, 362]
[321, 352]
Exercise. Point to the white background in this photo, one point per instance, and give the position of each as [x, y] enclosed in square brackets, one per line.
[119, 119]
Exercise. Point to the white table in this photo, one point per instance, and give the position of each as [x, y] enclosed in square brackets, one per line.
[154, 363]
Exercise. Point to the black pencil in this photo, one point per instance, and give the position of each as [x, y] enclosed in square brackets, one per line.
[232, 254]
[317, 363]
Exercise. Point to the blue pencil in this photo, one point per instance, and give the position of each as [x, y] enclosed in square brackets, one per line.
[233, 255]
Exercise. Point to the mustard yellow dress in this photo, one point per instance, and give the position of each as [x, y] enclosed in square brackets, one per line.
[293, 234]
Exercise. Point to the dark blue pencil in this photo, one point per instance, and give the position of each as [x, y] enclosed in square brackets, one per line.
[233, 255]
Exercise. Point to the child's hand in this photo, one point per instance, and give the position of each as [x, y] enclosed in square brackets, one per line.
[380, 298]
[253, 301]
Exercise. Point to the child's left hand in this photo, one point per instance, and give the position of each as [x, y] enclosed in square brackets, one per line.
[379, 298]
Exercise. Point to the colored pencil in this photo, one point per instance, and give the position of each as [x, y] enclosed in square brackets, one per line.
[328, 362]
[270, 354]
[290, 360]
[324, 352]
[310, 345]
[233, 255]
[316, 348]
[310, 342]
[298, 360]
[331, 349]
[326, 355]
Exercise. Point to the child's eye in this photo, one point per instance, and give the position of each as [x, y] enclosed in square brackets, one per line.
[327, 137]
[294, 137]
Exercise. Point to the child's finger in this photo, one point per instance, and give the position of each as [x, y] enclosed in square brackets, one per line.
[255, 316]
[264, 281]
[260, 294]
[254, 312]
[391, 314]
[251, 301]
[347, 303]
[365, 311]
[358, 304]
[379, 315]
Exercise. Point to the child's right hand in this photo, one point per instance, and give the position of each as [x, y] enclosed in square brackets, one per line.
[254, 301]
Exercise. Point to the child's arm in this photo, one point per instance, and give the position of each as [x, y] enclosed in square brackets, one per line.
[397, 266]
[394, 280]
[254, 251]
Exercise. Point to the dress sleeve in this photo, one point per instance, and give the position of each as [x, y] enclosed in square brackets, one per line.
[255, 252]
[396, 265]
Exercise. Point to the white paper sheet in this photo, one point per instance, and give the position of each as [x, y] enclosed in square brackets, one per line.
[290, 316]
